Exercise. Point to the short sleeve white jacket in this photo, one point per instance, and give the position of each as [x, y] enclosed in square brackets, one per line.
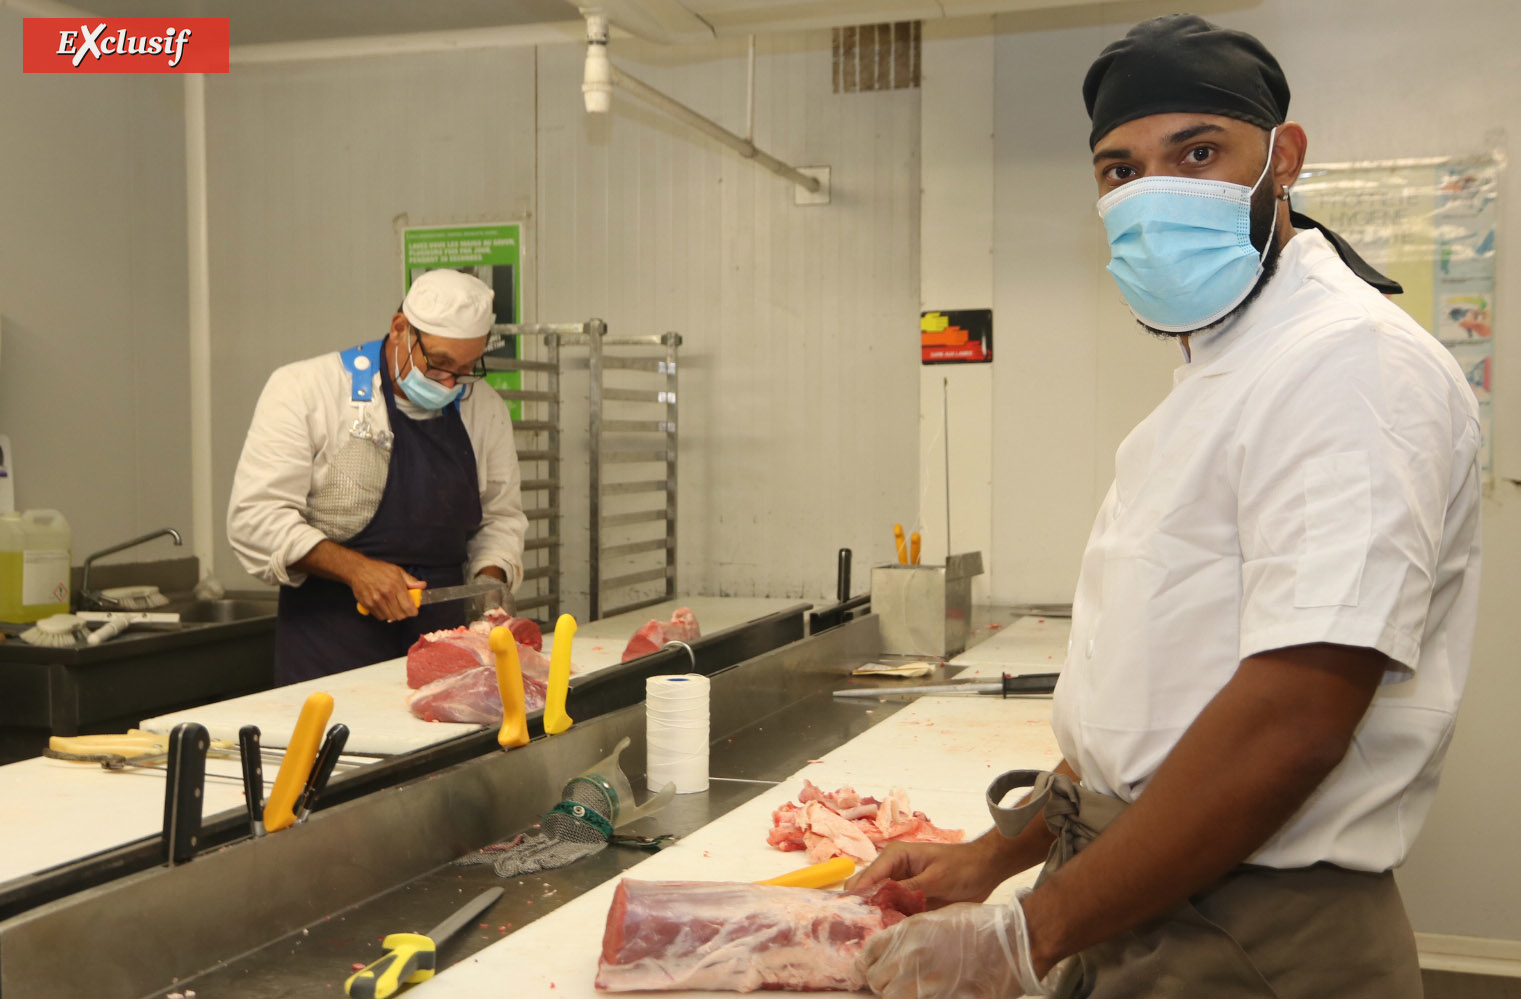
[1311, 477]
[301, 424]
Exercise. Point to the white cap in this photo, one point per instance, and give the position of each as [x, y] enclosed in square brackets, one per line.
[449, 304]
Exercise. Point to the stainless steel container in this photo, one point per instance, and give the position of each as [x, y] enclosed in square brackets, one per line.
[925, 610]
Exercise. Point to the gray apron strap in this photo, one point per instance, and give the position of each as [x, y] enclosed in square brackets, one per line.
[1073, 813]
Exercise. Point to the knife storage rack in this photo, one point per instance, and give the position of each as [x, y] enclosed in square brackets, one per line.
[631, 425]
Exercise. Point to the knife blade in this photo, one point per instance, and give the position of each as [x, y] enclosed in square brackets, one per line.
[1012, 685]
[421, 598]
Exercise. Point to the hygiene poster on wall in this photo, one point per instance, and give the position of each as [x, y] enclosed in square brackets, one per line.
[489, 251]
[960, 336]
[1430, 225]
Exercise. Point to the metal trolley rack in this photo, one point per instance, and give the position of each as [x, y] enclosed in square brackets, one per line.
[534, 350]
[632, 429]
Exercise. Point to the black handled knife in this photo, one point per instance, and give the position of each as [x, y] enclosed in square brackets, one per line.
[253, 777]
[322, 769]
[184, 791]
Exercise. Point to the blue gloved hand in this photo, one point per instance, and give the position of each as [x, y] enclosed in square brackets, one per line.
[966, 951]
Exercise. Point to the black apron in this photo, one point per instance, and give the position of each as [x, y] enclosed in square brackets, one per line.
[429, 509]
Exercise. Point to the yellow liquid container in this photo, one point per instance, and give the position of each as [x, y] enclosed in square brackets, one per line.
[34, 565]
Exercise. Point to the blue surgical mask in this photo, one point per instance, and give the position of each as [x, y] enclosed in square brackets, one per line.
[424, 391]
[1181, 247]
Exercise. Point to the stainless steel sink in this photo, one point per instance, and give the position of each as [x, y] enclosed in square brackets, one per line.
[223, 611]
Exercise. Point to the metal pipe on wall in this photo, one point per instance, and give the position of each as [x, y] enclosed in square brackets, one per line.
[678, 110]
[202, 517]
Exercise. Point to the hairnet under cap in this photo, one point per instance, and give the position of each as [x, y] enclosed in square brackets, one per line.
[1181, 62]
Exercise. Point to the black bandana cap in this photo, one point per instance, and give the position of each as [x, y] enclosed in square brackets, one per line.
[1182, 63]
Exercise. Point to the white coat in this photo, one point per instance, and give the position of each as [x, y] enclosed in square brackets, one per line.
[1311, 477]
[302, 422]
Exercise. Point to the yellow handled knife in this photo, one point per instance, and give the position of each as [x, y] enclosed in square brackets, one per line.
[412, 957]
[421, 598]
[555, 718]
[300, 754]
[509, 683]
[821, 875]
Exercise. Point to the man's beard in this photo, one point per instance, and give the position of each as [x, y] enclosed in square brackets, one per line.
[1264, 207]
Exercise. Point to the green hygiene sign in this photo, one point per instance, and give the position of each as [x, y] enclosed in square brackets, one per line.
[490, 251]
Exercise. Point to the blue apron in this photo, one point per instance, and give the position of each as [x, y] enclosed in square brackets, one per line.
[430, 508]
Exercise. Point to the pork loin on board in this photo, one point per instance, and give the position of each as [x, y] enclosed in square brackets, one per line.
[740, 937]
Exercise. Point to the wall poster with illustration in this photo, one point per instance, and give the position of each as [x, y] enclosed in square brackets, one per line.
[1430, 225]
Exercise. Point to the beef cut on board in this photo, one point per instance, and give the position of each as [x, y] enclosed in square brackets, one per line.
[739, 937]
[652, 637]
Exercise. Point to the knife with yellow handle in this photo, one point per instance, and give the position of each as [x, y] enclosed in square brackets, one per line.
[438, 595]
[555, 718]
[902, 544]
[822, 875]
[913, 548]
[509, 683]
[413, 957]
[300, 754]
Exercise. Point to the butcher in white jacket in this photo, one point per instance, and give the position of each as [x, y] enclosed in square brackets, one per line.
[376, 470]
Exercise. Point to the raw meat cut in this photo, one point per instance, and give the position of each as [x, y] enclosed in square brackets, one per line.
[472, 696]
[525, 631]
[682, 627]
[438, 654]
[842, 823]
[739, 937]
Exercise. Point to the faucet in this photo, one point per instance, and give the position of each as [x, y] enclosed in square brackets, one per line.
[91, 598]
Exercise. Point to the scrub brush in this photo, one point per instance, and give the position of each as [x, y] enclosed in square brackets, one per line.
[57, 631]
[135, 597]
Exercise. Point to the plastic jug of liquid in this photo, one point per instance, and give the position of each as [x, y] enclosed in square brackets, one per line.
[34, 565]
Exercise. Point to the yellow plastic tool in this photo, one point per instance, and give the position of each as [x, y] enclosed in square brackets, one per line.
[509, 682]
[412, 957]
[416, 596]
[409, 958]
[555, 718]
[913, 548]
[300, 754]
[901, 543]
[832, 871]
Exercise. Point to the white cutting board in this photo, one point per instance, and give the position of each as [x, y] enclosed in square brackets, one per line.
[56, 811]
[1027, 645]
[557, 956]
[372, 700]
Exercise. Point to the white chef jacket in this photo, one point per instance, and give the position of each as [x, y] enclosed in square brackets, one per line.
[303, 420]
[1311, 477]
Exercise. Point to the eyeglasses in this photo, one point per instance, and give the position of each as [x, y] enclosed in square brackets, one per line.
[435, 373]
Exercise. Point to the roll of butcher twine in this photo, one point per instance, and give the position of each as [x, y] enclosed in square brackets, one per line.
[676, 730]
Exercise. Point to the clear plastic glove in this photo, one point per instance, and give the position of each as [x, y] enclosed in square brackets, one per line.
[966, 951]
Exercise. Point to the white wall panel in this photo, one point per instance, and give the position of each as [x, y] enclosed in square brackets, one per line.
[798, 381]
[93, 299]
